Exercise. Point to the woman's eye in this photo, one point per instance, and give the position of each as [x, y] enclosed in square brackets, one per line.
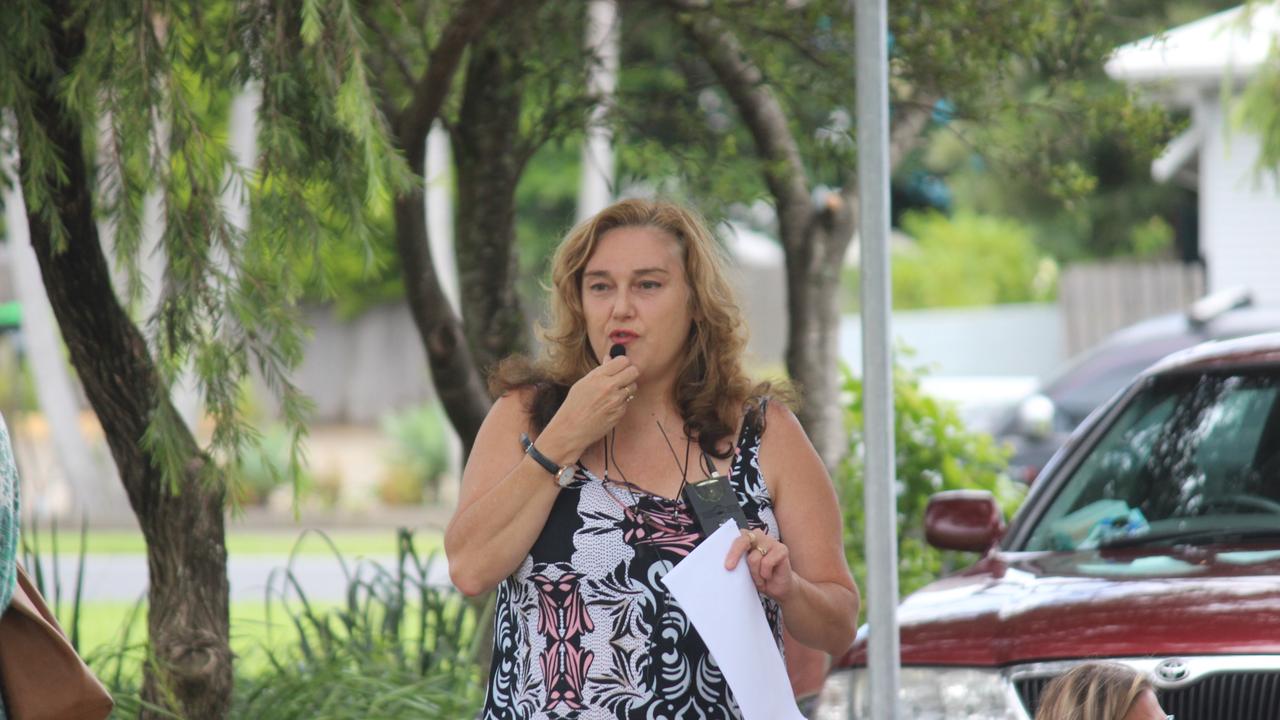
[650, 285]
[598, 287]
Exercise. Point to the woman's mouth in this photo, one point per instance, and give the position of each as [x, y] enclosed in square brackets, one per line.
[622, 337]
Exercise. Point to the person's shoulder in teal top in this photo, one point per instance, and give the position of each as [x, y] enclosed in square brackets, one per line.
[8, 523]
[8, 517]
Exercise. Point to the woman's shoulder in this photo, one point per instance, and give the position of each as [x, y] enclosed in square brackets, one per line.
[782, 438]
[779, 419]
[533, 405]
[768, 405]
[514, 402]
[522, 382]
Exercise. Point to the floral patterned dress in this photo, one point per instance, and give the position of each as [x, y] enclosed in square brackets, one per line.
[584, 629]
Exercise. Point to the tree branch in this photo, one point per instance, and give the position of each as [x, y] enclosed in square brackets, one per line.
[906, 130]
[905, 134]
[431, 89]
[389, 48]
[764, 117]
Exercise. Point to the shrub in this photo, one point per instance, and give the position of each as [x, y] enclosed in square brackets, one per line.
[934, 452]
[968, 259]
[398, 647]
[263, 463]
[420, 455]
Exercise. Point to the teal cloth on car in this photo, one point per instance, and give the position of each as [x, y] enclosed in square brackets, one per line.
[8, 525]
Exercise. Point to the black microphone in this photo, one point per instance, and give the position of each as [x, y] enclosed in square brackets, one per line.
[617, 350]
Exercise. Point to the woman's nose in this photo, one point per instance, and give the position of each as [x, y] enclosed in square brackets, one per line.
[622, 305]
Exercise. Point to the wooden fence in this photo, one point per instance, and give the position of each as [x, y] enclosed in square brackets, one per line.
[1100, 298]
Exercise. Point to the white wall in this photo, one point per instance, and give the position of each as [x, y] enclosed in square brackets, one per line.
[1239, 210]
[357, 370]
[997, 341]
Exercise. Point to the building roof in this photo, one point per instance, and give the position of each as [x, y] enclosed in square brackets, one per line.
[1232, 43]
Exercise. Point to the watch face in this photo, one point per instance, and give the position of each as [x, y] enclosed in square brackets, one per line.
[565, 476]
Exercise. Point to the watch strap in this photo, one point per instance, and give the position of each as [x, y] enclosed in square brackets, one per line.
[547, 463]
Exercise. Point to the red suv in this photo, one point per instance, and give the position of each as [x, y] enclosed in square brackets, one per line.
[1152, 538]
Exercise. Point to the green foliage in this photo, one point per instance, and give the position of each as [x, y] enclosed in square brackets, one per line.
[1153, 239]
[50, 588]
[357, 276]
[1258, 110]
[17, 381]
[263, 465]
[156, 84]
[679, 130]
[968, 259]
[420, 454]
[546, 201]
[1022, 88]
[399, 646]
[1096, 206]
[934, 452]
[1057, 144]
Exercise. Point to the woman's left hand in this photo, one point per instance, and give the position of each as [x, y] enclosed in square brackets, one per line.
[768, 560]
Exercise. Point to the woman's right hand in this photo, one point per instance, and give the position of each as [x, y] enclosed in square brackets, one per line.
[596, 402]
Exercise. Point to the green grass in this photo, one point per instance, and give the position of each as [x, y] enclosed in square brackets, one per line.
[103, 623]
[107, 626]
[396, 648]
[350, 543]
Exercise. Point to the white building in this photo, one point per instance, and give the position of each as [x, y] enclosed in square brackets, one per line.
[1196, 67]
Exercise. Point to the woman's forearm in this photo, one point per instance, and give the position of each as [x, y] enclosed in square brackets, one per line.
[488, 540]
[822, 615]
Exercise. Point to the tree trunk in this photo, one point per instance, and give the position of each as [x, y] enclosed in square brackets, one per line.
[813, 243]
[813, 239]
[182, 519]
[489, 161]
[813, 265]
[454, 374]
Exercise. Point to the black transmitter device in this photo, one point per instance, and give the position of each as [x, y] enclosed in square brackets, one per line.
[713, 502]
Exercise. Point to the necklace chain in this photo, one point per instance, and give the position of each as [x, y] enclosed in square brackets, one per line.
[612, 441]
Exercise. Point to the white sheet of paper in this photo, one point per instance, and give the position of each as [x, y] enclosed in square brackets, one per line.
[725, 608]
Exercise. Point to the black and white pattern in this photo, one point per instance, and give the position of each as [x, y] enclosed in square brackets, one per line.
[585, 630]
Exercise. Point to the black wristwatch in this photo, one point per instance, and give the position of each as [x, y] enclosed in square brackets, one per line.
[563, 474]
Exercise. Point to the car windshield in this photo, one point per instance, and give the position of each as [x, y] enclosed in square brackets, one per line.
[1190, 457]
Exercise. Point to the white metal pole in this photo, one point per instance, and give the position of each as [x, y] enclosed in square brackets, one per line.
[873, 234]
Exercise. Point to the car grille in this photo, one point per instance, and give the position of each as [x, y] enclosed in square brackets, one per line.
[1221, 696]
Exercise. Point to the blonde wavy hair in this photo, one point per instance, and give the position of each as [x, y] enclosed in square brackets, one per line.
[712, 389]
[1093, 691]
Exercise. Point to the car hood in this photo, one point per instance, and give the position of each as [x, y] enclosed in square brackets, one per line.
[1021, 607]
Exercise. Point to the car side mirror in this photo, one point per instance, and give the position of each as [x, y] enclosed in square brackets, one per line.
[1035, 417]
[967, 520]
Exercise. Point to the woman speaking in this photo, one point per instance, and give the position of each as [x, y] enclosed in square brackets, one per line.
[573, 502]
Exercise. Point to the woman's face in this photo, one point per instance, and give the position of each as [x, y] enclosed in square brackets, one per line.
[635, 293]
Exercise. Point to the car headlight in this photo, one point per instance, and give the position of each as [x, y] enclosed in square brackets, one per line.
[924, 694]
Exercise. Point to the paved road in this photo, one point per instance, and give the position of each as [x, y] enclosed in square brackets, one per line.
[124, 577]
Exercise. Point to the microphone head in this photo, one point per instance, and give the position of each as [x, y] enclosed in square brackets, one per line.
[617, 349]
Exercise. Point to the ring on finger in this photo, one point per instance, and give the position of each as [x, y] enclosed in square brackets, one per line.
[763, 551]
